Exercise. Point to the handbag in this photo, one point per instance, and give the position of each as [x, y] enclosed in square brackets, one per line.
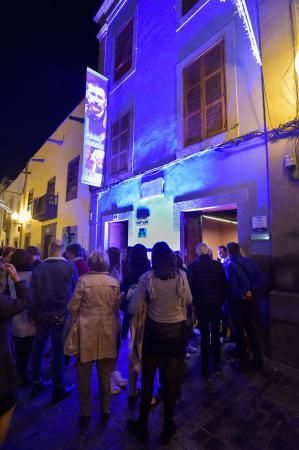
[71, 342]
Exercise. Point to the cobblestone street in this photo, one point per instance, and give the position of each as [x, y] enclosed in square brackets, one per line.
[234, 411]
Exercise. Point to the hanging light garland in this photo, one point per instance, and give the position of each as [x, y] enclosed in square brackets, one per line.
[244, 15]
[4, 206]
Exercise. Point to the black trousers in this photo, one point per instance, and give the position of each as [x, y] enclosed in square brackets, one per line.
[209, 324]
[164, 349]
[242, 315]
[23, 348]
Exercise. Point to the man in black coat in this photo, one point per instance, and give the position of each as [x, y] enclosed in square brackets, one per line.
[208, 286]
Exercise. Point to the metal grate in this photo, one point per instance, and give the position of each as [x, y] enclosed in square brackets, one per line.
[212, 60]
[213, 91]
[194, 128]
[214, 119]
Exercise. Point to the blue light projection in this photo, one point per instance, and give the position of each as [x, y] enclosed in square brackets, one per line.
[154, 92]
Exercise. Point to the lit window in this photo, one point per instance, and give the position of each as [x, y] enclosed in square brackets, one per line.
[120, 145]
[204, 96]
[72, 179]
[123, 51]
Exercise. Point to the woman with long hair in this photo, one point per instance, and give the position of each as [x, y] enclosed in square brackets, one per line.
[138, 265]
[165, 292]
[117, 381]
[94, 306]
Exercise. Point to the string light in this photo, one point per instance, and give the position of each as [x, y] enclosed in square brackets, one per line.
[4, 206]
[288, 129]
[244, 15]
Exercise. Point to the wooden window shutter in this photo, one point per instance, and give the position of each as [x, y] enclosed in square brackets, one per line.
[214, 91]
[120, 145]
[192, 103]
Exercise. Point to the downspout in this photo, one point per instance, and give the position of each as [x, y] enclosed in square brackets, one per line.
[264, 118]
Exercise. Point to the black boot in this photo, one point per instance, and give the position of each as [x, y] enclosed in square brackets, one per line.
[60, 394]
[138, 429]
[168, 431]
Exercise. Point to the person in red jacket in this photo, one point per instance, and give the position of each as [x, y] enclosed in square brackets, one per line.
[74, 254]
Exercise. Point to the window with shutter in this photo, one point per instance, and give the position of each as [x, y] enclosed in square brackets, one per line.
[30, 200]
[187, 5]
[72, 179]
[123, 51]
[120, 145]
[204, 96]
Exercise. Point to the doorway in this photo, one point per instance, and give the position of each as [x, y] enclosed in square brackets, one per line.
[118, 234]
[213, 226]
[48, 233]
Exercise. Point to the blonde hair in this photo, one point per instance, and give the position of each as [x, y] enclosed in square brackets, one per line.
[202, 249]
[55, 247]
[98, 261]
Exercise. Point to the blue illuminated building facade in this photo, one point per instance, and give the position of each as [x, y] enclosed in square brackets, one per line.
[182, 81]
[188, 154]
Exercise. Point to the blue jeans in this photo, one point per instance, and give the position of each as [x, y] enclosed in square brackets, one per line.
[45, 329]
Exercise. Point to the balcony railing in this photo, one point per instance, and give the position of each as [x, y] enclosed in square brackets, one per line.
[45, 207]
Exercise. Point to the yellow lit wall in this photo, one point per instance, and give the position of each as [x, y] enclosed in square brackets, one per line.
[278, 30]
[56, 158]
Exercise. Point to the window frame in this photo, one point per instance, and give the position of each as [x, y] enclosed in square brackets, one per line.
[112, 178]
[30, 199]
[71, 194]
[117, 35]
[183, 14]
[203, 106]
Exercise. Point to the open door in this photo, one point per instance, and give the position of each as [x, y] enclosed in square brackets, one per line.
[118, 234]
[192, 222]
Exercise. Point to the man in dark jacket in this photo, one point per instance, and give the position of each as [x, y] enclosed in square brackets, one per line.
[245, 280]
[208, 286]
[52, 284]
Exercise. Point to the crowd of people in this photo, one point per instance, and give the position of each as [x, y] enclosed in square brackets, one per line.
[159, 302]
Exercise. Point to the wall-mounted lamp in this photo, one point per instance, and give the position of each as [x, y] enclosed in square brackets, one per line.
[291, 162]
[21, 218]
[15, 216]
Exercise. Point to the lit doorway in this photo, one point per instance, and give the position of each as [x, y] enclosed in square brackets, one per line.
[118, 234]
[214, 226]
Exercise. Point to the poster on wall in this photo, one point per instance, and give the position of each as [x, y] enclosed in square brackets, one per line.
[94, 128]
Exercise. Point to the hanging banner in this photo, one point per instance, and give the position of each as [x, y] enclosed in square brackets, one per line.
[94, 128]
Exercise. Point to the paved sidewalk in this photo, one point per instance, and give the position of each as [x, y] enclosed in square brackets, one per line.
[234, 411]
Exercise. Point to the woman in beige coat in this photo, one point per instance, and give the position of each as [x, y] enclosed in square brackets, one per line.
[95, 305]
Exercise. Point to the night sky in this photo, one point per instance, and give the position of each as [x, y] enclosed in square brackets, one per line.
[46, 46]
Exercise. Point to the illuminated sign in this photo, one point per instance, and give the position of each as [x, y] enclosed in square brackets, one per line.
[94, 129]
